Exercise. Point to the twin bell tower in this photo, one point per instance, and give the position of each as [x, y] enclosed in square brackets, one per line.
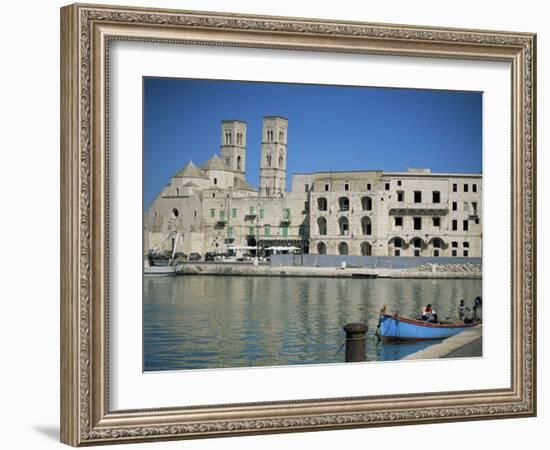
[274, 152]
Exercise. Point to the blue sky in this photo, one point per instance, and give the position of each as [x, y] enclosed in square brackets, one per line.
[330, 127]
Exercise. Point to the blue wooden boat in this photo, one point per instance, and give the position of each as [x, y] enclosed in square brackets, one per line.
[395, 328]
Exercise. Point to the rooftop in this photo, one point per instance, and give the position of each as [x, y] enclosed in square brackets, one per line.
[409, 173]
[215, 163]
[190, 171]
[275, 117]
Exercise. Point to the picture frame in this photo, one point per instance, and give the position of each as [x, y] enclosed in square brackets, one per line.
[87, 31]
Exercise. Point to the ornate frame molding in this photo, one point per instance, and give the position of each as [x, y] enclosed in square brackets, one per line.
[86, 31]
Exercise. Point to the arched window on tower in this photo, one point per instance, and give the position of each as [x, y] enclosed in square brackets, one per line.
[281, 159]
[268, 159]
[238, 163]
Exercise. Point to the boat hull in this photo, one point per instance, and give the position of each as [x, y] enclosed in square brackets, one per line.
[404, 329]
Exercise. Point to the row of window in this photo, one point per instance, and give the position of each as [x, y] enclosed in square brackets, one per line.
[268, 159]
[228, 163]
[343, 222]
[344, 204]
[366, 202]
[283, 231]
[269, 136]
[436, 243]
[343, 248]
[436, 252]
[436, 222]
[387, 187]
[251, 212]
[417, 222]
[343, 226]
[366, 249]
[465, 187]
[228, 137]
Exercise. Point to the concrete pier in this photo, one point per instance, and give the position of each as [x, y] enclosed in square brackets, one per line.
[201, 268]
[467, 344]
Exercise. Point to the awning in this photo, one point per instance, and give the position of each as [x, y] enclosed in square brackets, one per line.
[244, 247]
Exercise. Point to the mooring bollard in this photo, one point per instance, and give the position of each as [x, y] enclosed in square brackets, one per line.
[356, 340]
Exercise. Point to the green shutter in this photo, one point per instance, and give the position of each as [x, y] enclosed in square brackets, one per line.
[234, 212]
[267, 231]
[222, 214]
[230, 232]
[252, 210]
[212, 213]
[251, 231]
[285, 231]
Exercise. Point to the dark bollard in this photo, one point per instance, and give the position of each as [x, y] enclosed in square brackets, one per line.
[356, 337]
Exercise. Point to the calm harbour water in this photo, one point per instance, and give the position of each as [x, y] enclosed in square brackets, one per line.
[204, 322]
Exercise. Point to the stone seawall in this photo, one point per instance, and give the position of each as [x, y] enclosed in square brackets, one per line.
[298, 271]
[465, 344]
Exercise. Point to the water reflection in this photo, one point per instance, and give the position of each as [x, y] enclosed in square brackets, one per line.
[193, 322]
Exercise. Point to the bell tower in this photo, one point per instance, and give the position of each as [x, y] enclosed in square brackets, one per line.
[233, 146]
[274, 153]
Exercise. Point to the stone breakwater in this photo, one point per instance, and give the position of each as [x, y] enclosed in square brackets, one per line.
[454, 268]
[299, 271]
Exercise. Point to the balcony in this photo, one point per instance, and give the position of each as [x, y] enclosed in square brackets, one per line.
[418, 209]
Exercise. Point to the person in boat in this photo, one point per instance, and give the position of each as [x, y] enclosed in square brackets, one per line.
[429, 314]
[469, 316]
[461, 309]
[477, 307]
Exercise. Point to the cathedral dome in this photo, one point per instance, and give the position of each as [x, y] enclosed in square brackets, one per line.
[191, 171]
[215, 163]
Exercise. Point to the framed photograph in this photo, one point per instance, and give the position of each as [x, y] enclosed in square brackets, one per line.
[276, 224]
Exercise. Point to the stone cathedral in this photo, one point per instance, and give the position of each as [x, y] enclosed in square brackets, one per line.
[212, 207]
